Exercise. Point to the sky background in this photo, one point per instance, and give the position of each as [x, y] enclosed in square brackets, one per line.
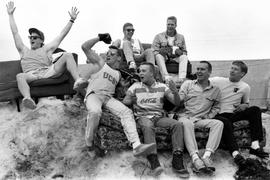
[213, 29]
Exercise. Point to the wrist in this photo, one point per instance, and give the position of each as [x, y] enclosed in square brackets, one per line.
[72, 20]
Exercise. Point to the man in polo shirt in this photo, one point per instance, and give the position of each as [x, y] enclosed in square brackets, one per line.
[234, 106]
[201, 101]
[147, 98]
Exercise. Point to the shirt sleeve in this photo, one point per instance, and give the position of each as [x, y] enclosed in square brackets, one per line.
[246, 95]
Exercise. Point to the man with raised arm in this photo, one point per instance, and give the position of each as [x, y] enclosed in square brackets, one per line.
[37, 62]
[103, 79]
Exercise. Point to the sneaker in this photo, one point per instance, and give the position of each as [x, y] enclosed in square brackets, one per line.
[199, 167]
[144, 149]
[239, 160]
[132, 65]
[156, 169]
[178, 166]
[167, 78]
[208, 163]
[29, 103]
[258, 152]
[80, 83]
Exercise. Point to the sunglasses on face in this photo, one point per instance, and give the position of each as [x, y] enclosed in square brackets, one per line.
[130, 30]
[109, 53]
[33, 37]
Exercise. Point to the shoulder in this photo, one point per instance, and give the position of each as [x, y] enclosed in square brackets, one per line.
[117, 43]
[181, 36]
[244, 84]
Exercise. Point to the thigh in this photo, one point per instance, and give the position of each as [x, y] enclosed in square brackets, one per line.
[115, 106]
[94, 102]
[206, 123]
[145, 122]
[165, 122]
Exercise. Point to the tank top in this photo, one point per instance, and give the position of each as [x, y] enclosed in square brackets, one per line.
[104, 81]
[35, 59]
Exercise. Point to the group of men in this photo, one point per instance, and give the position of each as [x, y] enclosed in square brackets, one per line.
[214, 103]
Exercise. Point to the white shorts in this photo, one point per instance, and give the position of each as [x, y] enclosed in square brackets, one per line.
[42, 73]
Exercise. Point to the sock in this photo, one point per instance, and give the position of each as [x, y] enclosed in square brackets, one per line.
[194, 157]
[255, 144]
[135, 145]
[207, 154]
[234, 154]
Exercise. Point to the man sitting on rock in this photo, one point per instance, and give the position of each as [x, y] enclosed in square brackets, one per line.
[201, 101]
[37, 62]
[147, 98]
[103, 79]
[234, 104]
[133, 49]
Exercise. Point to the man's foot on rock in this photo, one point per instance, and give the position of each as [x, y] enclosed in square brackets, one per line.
[144, 149]
[80, 83]
[29, 103]
[156, 168]
[199, 168]
[208, 163]
[259, 152]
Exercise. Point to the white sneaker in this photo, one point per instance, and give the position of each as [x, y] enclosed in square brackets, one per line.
[80, 83]
[167, 78]
[29, 103]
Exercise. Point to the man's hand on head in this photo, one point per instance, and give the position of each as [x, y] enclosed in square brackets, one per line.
[106, 38]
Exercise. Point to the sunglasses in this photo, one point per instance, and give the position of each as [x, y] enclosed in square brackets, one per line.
[33, 37]
[130, 30]
[109, 53]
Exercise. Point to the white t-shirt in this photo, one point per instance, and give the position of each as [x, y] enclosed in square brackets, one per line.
[232, 93]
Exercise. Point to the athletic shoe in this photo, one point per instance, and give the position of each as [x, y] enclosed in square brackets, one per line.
[156, 169]
[29, 103]
[178, 166]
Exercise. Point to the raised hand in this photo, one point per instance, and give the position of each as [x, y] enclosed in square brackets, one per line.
[172, 86]
[10, 7]
[73, 13]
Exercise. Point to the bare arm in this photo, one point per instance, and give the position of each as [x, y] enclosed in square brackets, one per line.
[56, 42]
[17, 38]
[92, 57]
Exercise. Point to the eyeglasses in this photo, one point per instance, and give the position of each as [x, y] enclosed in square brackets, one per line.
[130, 30]
[109, 53]
[33, 37]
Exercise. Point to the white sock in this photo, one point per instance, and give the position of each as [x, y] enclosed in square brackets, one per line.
[207, 154]
[255, 145]
[194, 157]
[136, 144]
[234, 154]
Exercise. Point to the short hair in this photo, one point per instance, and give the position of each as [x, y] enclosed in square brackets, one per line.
[242, 66]
[151, 66]
[208, 64]
[126, 25]
[119, 52]
[172, 18]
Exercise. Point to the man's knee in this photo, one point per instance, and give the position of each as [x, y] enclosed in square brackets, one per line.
[217, 124]
[187, 123]
[159, 58]
[68, 56]
[21, 76]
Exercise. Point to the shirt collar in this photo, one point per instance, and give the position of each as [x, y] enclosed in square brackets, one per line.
[210, 86]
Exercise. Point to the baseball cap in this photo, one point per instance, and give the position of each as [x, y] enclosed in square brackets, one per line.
[40, 33]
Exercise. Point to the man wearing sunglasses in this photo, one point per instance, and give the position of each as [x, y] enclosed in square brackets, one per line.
[103, 79]
[132, 48]
[170, 45]
[37, 62]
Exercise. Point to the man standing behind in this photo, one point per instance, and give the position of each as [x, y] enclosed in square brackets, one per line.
[37, 62]
[103, 79]
[234, 106]
[133, 49]
[171, 45]
[147, 98]
[201, 101]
